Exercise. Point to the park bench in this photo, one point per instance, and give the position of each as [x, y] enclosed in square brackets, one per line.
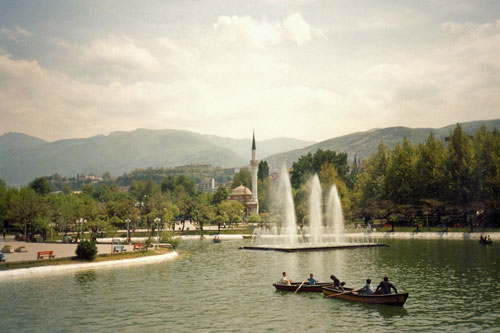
[139, 247]
[2, 257]
[119, 248]
[43, 254]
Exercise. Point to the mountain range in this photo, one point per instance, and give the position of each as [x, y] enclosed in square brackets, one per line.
[24, 157]
[363, 144]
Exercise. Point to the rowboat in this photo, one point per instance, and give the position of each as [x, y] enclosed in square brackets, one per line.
[485, 241]
[351, 295]
[317, 288]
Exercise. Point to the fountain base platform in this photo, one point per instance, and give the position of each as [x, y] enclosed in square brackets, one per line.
[311, 248]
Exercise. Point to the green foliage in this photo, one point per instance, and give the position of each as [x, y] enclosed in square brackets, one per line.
[254, 218]
[166, 237]
[243, 177]
[263, 194]
[221, 195]
[86, 249]
[263, 171]
[308, 165]
[40, 185]
[229, 210]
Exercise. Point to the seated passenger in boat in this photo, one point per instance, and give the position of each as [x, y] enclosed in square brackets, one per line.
[367, 289]
[385, 287]
[285, 279]
[312, 280]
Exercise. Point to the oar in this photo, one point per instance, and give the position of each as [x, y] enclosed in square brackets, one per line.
[301, 285]
[342, 293]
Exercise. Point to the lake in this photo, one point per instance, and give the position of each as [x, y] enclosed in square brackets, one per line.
[453, 285]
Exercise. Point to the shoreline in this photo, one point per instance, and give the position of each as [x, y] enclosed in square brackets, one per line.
[425, 235]
[66, 268]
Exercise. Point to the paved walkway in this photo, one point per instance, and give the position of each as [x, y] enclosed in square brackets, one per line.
[60, 250]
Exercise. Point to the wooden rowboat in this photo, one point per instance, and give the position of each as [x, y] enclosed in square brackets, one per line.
[485, 241]
[350, 295]
[317, 288]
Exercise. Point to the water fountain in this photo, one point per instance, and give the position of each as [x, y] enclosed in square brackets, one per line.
[288, 237]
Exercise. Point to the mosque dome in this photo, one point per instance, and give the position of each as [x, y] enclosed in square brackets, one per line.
[241, 190]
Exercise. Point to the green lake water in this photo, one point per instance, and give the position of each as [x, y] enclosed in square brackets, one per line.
[454, 286]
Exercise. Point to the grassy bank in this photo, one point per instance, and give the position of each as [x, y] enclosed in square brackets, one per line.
[75, 260]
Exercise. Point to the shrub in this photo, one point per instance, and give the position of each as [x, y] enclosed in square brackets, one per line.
[166, 237]
[86, 250]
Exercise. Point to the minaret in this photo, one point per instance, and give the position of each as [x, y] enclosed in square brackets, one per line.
[254, 163]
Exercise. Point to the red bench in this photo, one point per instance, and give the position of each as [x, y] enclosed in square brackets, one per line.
[139, 247]
[43, 254]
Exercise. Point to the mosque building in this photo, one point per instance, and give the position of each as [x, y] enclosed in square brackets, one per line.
[243, 194]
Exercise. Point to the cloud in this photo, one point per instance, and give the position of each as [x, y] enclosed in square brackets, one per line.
[15, 34]
[119, 52]
[299, 30]
[449, 84]
[245, 31]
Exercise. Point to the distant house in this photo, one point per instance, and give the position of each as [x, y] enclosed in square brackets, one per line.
[207, 185]
[124, 188]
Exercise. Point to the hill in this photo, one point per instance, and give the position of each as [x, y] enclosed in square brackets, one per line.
[12, 142]
[117, 153]
[265, 148]
[25, 157]
[363, 144]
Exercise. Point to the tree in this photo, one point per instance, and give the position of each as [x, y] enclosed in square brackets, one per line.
[263, 171]
[203, 213]
[243, 177]
[25, 207]
[328, 176]
[263, 194]
[255, 218]
[231, 209]
[221, 195]
[400, 176]
[40, 185]
[430, 169]
[459, 164]
[309, 164]
[372, 183]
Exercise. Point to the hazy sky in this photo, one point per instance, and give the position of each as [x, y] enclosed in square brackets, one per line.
[310, 69]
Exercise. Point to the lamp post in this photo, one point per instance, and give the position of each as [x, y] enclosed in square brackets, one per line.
[139, 205]
[157, 220]
[81, 221]
[128, 230]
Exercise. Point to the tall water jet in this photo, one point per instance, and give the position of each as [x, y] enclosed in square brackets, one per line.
[315, 215]
[285, 199]
[334, 214]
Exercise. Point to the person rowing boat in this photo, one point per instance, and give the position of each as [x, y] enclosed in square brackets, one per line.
[385, 287]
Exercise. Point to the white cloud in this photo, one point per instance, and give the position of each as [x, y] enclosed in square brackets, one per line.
[15, 34]
[119, 52]
[449, 84]
[245, 31]
[299, 30]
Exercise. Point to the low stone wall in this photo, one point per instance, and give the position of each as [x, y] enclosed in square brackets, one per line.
[64, 268]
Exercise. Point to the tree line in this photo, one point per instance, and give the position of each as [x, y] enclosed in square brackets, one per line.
[104, 208]
[456, 179]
